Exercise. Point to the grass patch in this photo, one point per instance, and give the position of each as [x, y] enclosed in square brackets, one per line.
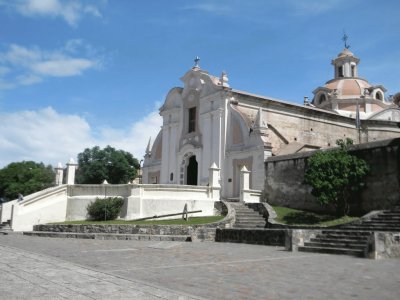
[191, 221]
[292, 216]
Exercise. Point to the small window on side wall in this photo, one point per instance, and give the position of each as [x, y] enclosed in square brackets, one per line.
[171, 177]
[378, 96]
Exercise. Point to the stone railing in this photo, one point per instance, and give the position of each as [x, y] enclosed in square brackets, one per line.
[46, 193]
[100, 190]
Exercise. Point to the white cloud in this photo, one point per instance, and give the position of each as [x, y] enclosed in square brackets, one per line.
[71, 11]
[63, 67]
[51, 137]
[315, 7]
[20, 65]
[135, 139]
[28, 79]
[219, 9]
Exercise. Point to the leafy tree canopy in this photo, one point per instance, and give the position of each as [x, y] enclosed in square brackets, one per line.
[25, 177]
[97, 165]
[335, 176]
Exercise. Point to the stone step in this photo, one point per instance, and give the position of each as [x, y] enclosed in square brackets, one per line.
[337, 244]
[6, 223]
[384, 220]
[246, 211]
[353, 252]
[5, 226]
[382, 224]
[374, 228]
[390, 213]
[250, 218]
[250, 223]
[248, 226]
[387, 215]
[346, 232]
[338, 240]
[245, 220]
[109, 236]
[340, 236]
[233, 200]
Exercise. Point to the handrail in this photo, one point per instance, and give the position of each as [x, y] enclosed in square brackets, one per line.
[38, 195]
[168, 215]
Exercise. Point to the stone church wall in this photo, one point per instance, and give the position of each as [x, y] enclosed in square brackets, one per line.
[284, 181]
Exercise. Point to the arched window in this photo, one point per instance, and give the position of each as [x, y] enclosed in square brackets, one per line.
[171, 177]
[322, 98]
[378, 96]
[340, 71]
[353, 71]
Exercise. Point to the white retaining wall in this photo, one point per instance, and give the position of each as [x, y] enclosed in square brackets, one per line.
[40, 208]
[6, 211]
[148, 200]
[69, 202]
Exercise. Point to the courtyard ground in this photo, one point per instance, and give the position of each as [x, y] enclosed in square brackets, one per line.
[52, 268]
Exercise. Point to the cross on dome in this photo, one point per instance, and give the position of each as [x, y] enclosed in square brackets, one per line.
[196, 62]
[345, 38]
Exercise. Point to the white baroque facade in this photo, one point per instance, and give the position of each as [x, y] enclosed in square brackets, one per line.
[206, 122]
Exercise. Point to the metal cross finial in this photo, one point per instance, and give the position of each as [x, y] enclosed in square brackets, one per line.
[196, 62]
[345, 38]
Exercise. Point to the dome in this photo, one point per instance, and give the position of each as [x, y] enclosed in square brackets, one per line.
[345, 52]
[349, 87]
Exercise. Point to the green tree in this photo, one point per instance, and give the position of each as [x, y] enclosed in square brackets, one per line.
[335, 176]
[115, 166]
[25, 177]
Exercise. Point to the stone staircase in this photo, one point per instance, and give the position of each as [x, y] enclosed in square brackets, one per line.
[387, 220]
[247, 217]
[5, 227]
[353, 239]
[339, 242]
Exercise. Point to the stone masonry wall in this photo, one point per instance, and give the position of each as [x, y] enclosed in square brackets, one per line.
[284, 181]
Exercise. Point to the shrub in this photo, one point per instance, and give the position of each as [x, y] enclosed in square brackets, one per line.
[335, 176]
[105, 208]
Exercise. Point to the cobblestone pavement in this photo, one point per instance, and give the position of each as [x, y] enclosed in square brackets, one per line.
[35, 267]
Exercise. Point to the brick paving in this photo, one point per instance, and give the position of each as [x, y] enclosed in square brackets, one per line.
[104, 269]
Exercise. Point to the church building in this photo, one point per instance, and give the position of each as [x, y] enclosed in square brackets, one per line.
[208, 123]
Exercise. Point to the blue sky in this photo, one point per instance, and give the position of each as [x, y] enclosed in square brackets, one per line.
[74, 74]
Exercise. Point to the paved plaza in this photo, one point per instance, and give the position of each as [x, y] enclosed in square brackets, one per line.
[52, 268]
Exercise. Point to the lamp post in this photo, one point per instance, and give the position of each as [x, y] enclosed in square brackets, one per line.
[140, 172]
[109, 164]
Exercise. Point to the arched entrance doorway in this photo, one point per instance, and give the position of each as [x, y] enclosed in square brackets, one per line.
[191, 171]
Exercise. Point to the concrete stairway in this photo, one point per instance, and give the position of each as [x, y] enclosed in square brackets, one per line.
[387, 220]
[5, 226]
[339, 242]
[247, 217]
[353, 239]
